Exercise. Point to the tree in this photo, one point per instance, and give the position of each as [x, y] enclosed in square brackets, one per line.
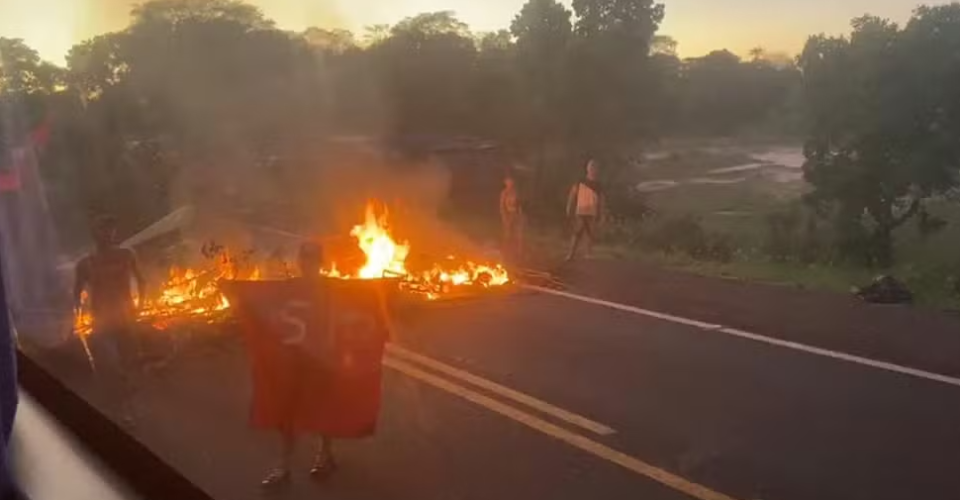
[542, 28]
[96, 65]
[202, 68]
[636, 20]
[208, 81]
[334, 42]
[713, 94]
[22, 72]
[612, 82]
[495, 41]
[375, 34]
[664, 45]
[26, 85]
[498, 101]
[723, 95]
[543, 31]
[431, 24]
[425, 68]
[666, 85]
[884, 124]
[176, 12]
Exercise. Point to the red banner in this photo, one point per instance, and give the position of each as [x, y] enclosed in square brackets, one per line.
[315, 349]
[9, 181]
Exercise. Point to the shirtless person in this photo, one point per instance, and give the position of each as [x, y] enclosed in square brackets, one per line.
[585, 204]
[105, 275]
[511, 218]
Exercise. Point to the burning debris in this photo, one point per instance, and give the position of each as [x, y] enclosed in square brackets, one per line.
[193, 295]
[187, 295]
[387, 258]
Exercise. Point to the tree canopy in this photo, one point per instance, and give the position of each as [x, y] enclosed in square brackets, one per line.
[209, 83]
[884, 127]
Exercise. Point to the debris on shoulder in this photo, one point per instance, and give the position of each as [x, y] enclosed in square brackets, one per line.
[885, 289]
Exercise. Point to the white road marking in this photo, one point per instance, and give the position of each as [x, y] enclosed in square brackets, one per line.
[583, 443]
[882, 365]
[631, 309]
[841, 356]
[506, 392]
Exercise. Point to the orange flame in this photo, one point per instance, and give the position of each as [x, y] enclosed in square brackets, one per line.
[82, 317]
[194, 295]
[384, 256]
[188, 293]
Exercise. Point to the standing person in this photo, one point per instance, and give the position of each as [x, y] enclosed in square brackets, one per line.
[585, 205]
[302, 371]
[106, 275]
[511, 219]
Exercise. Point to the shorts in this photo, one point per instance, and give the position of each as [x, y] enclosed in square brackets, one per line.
[512, 225]
[114, 349]
[585, 224]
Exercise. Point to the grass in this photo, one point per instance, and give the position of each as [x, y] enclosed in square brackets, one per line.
[818, 277]
[930, 283]
[927, 279]
[692, 163]
[927, 264]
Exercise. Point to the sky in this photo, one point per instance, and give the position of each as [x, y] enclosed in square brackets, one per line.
[53, 26]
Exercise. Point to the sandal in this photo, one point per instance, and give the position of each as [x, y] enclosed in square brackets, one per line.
[276, 477]
[323, 467]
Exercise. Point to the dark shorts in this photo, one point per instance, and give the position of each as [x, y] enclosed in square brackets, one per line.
[585, 225]
[512, 225]
[114, 348]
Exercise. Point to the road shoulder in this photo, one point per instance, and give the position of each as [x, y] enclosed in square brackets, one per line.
[909, 336]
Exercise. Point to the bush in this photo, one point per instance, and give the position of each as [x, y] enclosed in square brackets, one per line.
[625, 205]
[931, 282]
[782, 236]
[794, 235]
[717, 248]
[685, 234]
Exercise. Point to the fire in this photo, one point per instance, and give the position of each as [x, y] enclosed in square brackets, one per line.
[387, 258]
[192, 294]
[189, 294]
[186, 295]
[82, 317]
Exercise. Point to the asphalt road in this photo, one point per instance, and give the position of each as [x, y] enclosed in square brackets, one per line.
[660, 410]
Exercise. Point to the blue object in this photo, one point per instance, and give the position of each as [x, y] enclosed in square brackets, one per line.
[8, 391]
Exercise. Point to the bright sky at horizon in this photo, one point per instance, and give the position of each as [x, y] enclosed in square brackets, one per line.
[53, 26]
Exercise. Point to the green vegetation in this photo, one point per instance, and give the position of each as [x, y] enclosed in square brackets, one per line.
[207, 99]
[884, 131]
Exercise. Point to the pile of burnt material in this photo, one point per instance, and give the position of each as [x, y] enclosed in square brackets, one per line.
[885, 290]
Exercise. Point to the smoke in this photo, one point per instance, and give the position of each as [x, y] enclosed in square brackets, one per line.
[412, 192]
[251, 149]
[320, 191]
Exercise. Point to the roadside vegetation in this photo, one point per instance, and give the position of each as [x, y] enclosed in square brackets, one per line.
[820, 170]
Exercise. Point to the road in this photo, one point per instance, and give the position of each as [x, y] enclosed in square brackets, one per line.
[537, 395]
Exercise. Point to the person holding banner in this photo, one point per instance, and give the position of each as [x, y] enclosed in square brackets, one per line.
[315, 346]
[303, 368]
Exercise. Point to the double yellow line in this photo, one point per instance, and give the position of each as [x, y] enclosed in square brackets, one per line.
[427, 370]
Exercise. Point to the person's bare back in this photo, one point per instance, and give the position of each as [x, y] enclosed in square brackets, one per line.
[106, 275]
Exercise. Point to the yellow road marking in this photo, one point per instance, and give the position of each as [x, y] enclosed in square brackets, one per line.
[506, 392]
[583, 443]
